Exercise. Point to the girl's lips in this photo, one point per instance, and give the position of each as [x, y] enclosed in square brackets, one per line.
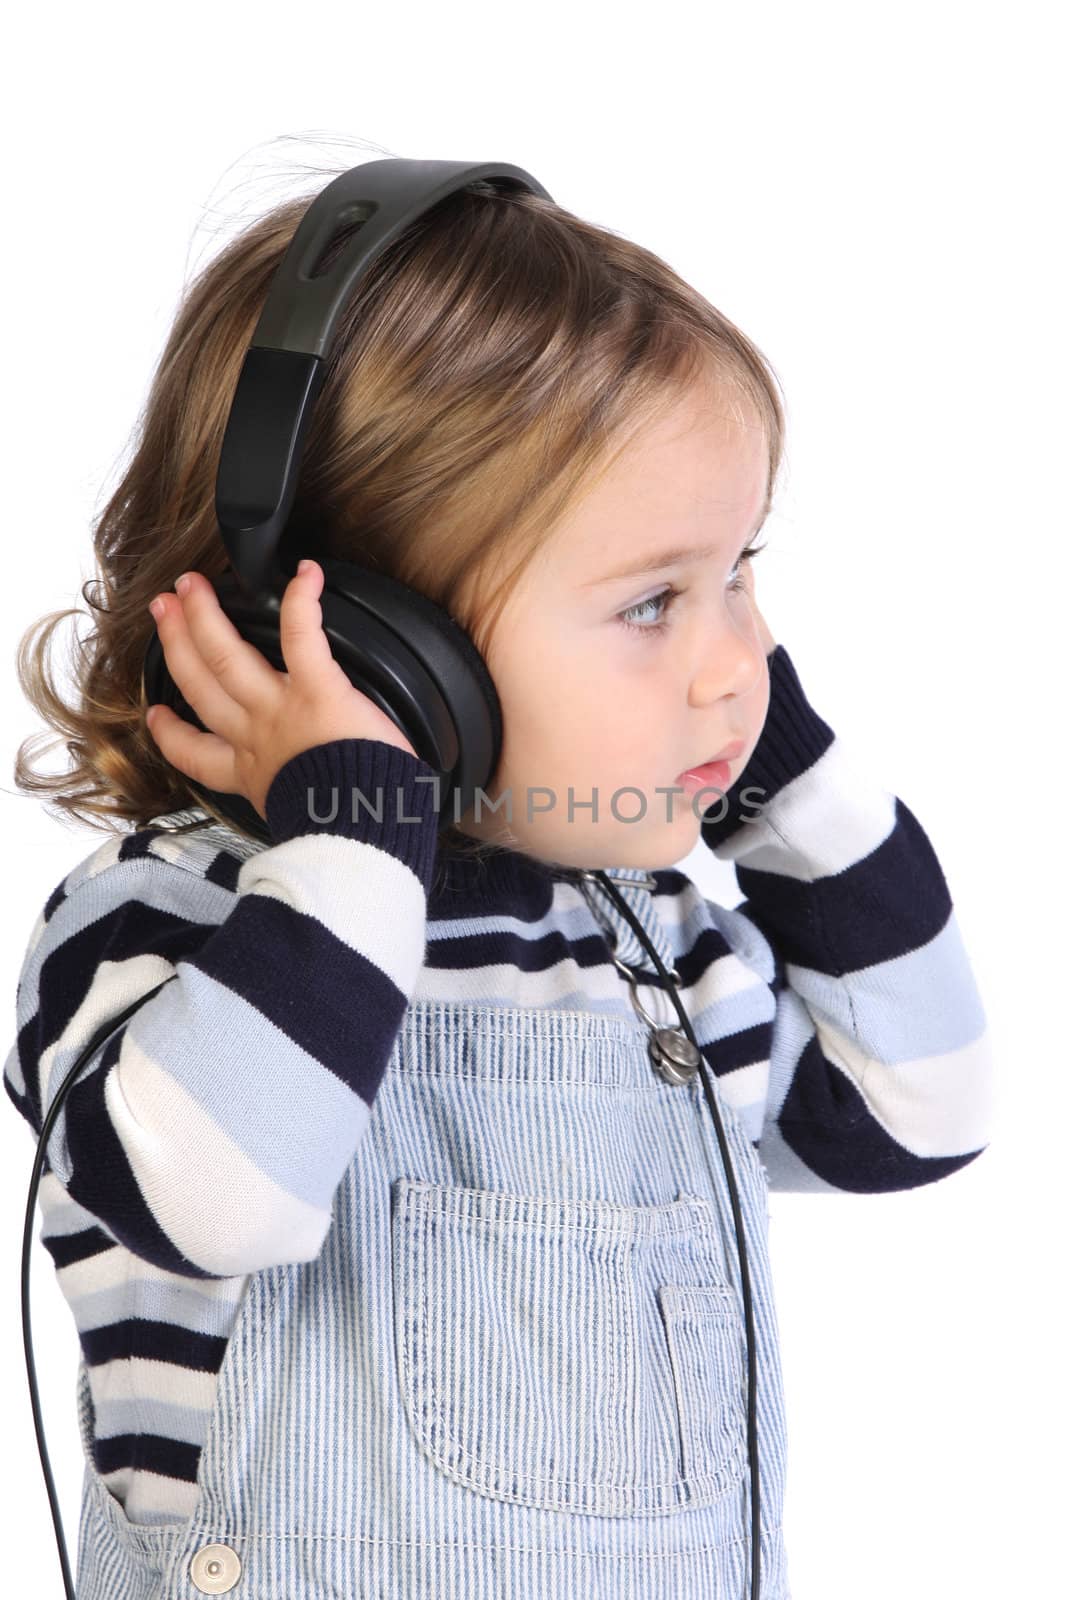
[711, 775]
[711, 772]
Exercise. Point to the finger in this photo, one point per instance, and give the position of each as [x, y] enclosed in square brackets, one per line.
[244, 673]
[200, 688]
[305, 647]
[204, 757]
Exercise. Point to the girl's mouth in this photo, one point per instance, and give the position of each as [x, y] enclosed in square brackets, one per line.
[712, 775]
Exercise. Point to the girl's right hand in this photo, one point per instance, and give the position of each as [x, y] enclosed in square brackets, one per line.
[262, 718]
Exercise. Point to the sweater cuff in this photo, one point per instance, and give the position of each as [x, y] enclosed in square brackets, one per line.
[793, 738]
[360, 789]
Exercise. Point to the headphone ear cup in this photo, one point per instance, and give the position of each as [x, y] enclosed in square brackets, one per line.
[447, 651]
[403, 651]
[416, 662]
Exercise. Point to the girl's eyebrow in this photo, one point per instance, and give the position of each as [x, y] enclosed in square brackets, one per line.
[654, 560]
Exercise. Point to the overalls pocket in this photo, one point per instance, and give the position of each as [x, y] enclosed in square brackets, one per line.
[572, 1355]
[707, 1359]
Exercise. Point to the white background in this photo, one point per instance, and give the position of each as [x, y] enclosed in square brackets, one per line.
[875, 195]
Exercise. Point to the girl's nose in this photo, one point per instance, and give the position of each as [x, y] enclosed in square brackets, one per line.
[731, 663]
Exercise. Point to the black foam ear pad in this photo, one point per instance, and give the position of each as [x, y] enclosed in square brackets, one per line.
[437, 616]
[416, 661]
[401, 649]
[438, 620]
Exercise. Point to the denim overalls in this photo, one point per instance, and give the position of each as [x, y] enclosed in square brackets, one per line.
[518, 1367]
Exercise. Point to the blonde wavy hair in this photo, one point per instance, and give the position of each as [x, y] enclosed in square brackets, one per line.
[491, 366]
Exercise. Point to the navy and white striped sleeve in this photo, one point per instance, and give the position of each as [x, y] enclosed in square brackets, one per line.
[209, 1134]
[880, 1068]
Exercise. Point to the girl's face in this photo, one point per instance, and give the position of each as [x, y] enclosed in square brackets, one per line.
[606, 683]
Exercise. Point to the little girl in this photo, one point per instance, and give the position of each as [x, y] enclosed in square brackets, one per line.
[398, 1267]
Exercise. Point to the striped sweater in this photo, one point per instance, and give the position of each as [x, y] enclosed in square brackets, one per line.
[204, 1141]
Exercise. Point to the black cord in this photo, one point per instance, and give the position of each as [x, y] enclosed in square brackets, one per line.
[750, 1331]
[99, 1037]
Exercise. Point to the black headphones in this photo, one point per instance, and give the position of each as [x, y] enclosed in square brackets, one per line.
[399, 648]
[403, 651]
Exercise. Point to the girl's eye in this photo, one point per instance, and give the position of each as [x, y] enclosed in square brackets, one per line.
[669, 595]
[666, 596]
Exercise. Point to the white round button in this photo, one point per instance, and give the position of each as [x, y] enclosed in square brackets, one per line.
[215, 1568]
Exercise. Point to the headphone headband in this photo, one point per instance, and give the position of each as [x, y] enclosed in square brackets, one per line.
[259, 466]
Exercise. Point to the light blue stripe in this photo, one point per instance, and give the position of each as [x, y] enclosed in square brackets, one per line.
[160, 1300]
[922, 1003]
[168, 1420]
[244, 1101]
[154, 883]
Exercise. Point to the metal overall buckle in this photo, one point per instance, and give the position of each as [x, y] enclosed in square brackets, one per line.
[673, 1054]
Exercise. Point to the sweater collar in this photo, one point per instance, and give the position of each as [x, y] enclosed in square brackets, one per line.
[496, 867]
[498, 878]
